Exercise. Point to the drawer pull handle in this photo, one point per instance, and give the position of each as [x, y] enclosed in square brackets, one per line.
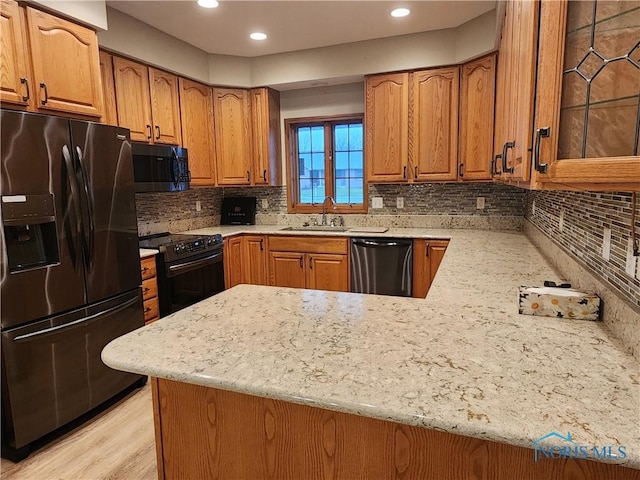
[149, 134]
[157, 132]
[26, 84]
[46, 93]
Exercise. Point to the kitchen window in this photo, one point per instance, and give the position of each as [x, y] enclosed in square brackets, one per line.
[325, 157]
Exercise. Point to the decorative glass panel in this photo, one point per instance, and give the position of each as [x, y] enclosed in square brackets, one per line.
[600, 114]
[349, 181]
[311, 173]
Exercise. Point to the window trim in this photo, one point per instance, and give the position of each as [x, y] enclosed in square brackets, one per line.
[292, 165]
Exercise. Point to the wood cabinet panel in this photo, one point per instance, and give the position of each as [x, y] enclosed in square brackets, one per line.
[231, 114]
[265, 115]
[16, 86]
[65, 65]
[201, 432]
[233, 262]
[110, 115]
[427, 256]
[433, 124]
[149, 288]
[286, 269]
[196, 112]
[328, 272]
[148, 267]
[254, 261]
[165, 110]
[308, 244]
[476, 118]
[386, 127]
[151, 312]
[133, 98]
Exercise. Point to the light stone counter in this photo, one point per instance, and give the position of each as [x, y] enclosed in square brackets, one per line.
[148, 252]
[462, 360]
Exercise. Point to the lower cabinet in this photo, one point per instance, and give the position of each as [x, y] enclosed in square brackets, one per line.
[149, 289]
[245, 260]
[309, 262]
[427, 255]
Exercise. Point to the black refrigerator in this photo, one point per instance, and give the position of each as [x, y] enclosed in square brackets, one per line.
[69, 270]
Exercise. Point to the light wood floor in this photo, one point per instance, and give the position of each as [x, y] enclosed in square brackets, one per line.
[116, 444]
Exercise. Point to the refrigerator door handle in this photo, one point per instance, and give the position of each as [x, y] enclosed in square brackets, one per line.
[75, 199]
[90, 208]
[48, 331]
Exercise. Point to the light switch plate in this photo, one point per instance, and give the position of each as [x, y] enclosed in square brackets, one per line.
[265, 203]
[400, 202]
[376, 202]
[480, 203]
[606, 244]
[630, 267]
[198, 205]
[561, 221]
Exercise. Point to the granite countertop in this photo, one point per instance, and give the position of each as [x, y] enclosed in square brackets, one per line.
[462, 360]
[148, 252]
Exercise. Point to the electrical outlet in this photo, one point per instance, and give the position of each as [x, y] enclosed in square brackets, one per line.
[198, 205]
[606, 244]
[400, 202]
[480, 203]
[630, 267]
[376, 202]
[265, 203]
[561, 221]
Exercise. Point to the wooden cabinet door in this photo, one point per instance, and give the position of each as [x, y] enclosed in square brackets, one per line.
[476, 118]
[196, 112]
[327, 272]
[433, 124]
[427, 256]
[386, 127]
[16, 87]
[265, 117]
[254, 262]
[165, 110]
[65, 65]
[110, 115]
[132, 98]
[286, 269]
[231, 115]
[503, 114]
[233, 262]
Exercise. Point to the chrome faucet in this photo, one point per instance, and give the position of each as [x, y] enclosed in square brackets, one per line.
[324, 208]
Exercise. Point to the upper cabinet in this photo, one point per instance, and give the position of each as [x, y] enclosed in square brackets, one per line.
[232, 120]
[147, 102]
[433, 124]
[265, 116]
[110, 116]
[196, 112]
[49, 65]
[477, 94]
[16, 84]
[386, 127]
[588, 91]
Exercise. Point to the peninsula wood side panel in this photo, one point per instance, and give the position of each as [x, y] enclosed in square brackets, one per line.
[208, 433]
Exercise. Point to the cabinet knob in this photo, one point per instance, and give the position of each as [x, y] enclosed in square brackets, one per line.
[26, 84]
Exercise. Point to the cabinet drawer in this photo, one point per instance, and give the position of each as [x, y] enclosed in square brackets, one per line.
[148, 267]
[151, 309]
[339, 245]
[149, 288]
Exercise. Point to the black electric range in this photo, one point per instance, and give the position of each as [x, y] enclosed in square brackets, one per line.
[190, 268]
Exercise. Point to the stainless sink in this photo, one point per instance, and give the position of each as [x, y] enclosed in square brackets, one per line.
[315, 228]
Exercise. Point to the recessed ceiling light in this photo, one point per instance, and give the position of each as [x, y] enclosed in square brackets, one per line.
[400, 12]
[208, 3]
[258, 36]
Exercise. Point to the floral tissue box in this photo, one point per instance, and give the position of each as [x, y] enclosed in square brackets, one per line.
[559, 303]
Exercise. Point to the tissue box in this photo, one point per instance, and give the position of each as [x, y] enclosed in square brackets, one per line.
[559, 303]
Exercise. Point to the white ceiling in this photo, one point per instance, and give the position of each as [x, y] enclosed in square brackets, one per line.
[295, 25]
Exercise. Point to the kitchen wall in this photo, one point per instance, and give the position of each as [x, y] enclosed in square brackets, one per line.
[585, 216]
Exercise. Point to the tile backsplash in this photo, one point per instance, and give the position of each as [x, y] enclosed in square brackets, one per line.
[576, 221]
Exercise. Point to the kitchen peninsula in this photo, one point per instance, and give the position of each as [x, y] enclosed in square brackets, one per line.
[266, 382]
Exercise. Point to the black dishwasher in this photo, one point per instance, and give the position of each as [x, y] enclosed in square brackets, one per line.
[383, 266]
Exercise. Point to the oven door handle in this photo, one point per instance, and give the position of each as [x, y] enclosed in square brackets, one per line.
[185, 267]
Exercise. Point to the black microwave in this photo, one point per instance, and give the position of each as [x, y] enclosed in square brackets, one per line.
[160, 168]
